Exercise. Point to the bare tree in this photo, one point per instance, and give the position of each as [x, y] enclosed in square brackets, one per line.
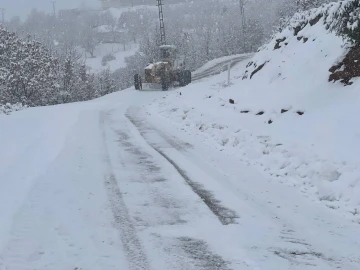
[89, 40]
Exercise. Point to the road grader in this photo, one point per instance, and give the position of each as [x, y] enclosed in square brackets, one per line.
[169, 70]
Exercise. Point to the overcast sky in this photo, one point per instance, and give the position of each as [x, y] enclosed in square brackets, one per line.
[23, 7]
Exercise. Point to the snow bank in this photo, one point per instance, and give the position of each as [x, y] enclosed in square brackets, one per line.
[282, 115]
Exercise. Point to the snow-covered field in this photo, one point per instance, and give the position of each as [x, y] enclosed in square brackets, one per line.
[117, 50]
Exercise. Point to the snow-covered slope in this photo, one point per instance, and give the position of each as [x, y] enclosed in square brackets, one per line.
[282, 115]
[117, 50]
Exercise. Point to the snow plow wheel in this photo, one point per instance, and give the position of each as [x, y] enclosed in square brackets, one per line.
[137, 82]
[187, 76]
[184, 78]
[164, 82]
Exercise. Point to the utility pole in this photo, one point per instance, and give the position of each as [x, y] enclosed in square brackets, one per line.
[162, 24]
[2, 15]
[54, 8]
[243, 21]
[54, 25]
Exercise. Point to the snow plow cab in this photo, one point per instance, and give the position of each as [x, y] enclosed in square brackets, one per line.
[169, 71]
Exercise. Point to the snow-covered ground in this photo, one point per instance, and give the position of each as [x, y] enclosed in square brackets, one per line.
[107, 184]
[115, 49]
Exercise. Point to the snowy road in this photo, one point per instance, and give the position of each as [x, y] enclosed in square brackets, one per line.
[128, 191]
[218, 65]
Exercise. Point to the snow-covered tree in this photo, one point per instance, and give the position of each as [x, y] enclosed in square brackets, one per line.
[106, 83]
[28, 71]
[31, 74]
[348, 22]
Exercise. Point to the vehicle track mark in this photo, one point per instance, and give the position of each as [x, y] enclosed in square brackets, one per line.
[202, 256]
[226, 216]
[150, 174]
[133, 248]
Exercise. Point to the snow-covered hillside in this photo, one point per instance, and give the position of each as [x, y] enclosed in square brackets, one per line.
[282, 115]
[118, 51]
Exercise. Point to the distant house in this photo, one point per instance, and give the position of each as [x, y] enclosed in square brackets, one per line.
[108, 34]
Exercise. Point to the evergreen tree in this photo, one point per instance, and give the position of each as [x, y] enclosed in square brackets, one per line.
[28, 71]
[106, 83]
[349, 22]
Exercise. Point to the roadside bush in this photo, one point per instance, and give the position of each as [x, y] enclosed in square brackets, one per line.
[107, 58]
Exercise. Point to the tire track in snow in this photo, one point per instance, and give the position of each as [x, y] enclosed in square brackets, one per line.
[150, 174]
[199, 251]
[183, 252]
[226, 216]
[135, 254]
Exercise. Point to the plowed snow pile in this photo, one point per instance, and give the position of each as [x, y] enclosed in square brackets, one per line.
[282, 114]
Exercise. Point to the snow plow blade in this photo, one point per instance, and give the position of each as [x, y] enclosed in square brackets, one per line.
[151, 87]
